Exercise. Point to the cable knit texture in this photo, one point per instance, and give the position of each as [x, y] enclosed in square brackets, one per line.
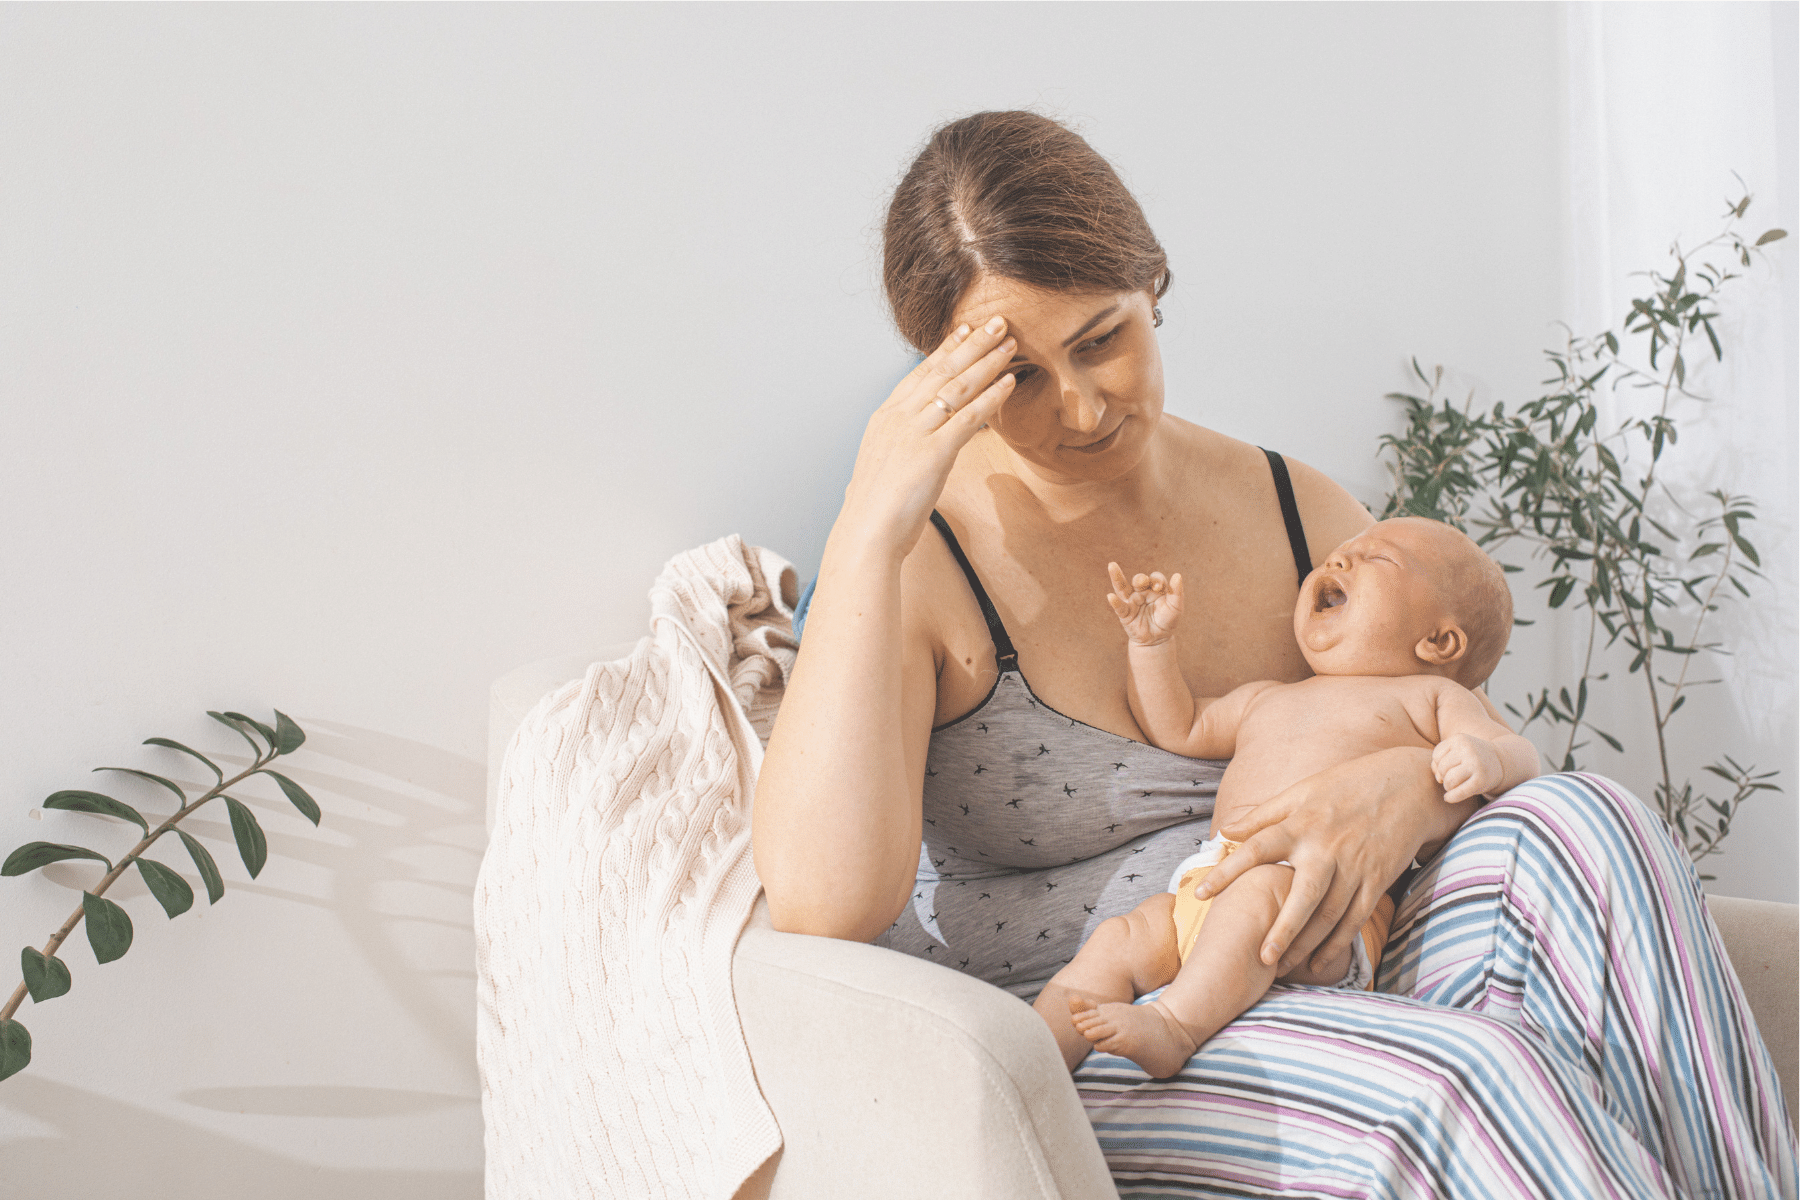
[616, 882]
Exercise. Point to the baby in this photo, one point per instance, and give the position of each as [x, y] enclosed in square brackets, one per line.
[1397, 624]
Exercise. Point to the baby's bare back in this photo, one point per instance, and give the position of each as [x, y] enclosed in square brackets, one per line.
[1294, 730]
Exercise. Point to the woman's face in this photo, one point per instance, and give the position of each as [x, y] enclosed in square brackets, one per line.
[1089, 372]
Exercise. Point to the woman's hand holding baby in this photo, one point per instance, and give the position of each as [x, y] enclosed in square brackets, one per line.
[1467, 767]
[1148, 606]
[1348, 831]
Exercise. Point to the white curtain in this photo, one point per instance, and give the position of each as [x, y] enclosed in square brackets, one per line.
[1665, 102]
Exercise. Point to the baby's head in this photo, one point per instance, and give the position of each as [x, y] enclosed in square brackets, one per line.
[1405, 597]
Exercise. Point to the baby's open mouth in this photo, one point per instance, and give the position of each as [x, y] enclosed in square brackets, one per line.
[1330, 596]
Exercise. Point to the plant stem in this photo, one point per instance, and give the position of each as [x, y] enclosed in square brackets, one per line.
[1706, 606]
[136, 852]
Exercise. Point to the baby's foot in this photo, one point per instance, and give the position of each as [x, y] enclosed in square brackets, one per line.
[1147, 1034]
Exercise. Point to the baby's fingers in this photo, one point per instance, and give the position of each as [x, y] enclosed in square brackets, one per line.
[1116, 577]
[1465, 791]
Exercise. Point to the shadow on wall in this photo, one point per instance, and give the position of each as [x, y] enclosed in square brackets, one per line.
[397, 864]
[408, 911]
[376, 907]
[183, 1159]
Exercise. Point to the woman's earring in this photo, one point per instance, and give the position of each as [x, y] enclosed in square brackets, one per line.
[1156, 315]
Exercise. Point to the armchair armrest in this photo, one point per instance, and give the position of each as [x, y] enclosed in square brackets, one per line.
[895, 1077]
[1763, 942]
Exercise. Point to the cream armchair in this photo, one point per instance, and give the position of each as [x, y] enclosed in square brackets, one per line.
[913, 1074]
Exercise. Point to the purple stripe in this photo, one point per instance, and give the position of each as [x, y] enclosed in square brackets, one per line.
[1684, 951]
[1405, 1068]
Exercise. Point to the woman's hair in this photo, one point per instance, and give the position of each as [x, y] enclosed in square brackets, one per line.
[1016, 195]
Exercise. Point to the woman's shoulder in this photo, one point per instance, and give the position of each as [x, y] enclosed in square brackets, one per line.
[1329, 514]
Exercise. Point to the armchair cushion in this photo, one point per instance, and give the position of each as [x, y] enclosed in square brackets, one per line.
[894, 1077]
[890, 1076]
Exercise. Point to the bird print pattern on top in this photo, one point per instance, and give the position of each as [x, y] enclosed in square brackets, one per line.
[1039, 827]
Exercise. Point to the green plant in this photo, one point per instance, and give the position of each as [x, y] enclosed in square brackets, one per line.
[1591, 507]
[108, 927]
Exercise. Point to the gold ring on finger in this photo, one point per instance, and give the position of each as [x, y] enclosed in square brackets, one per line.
[939, 401]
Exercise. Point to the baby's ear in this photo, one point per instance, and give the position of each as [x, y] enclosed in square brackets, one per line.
[1443, 645]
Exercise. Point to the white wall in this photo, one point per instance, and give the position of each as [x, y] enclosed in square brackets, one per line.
[350, 356]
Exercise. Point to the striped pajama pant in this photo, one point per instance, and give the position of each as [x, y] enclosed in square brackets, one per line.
[1554, 1018]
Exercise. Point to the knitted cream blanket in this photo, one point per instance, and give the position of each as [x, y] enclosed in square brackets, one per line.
[616, 882]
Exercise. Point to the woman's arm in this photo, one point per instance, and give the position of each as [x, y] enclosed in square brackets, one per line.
[837, 815]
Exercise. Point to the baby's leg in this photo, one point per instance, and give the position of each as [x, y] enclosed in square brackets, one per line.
[1224, 973]
[1222, 977]
[1123, 958]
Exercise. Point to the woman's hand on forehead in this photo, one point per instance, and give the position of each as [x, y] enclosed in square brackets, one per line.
[913, 439]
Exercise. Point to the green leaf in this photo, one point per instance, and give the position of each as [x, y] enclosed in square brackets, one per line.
[252, 845]
[180, 796]
[33, 855]
[203, 862]
[305, 803]
[1748, 550]
[171, 745]
[15, 1048]
[289, 737]
[1773, 235]
[171, 890]
[94, 802]
[267, 733]
[225, 720]
[108, 928]
[46, 976]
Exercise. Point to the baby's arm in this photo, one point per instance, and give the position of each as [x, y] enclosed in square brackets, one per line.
[1476, 755]
[1171, 716]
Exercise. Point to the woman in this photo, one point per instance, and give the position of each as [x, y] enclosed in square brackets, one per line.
[1553, 1017]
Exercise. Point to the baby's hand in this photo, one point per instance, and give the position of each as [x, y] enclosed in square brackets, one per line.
[1466, 766]
[1148, 606]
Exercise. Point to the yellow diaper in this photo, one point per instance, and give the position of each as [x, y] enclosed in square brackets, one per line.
[1190, 914]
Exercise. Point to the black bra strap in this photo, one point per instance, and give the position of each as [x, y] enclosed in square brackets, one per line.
[1003, 648]
[1290, 514]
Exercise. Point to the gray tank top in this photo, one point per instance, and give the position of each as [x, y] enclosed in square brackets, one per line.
[1038, 827]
